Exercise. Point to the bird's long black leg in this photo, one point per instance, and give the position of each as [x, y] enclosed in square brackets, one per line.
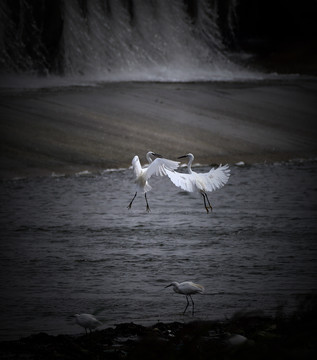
[129, 206]
[193, 310]
[210, 207]
[186, 305]
[204, 197]
[147, 204]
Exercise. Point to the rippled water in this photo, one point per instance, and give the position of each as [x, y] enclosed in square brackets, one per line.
[70, 245]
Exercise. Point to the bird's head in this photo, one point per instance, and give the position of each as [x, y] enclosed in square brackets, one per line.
[174, 283]
[189, 155]
[151, 153]
[155, 154]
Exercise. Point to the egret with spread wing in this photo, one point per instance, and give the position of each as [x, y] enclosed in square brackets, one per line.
[201, 182]
[187, 288]
[157, 167]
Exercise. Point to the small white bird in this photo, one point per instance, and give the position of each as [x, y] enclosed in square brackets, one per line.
[87, 321]
[157, 167]
[201, 182]
[236, 340]
[187, 288]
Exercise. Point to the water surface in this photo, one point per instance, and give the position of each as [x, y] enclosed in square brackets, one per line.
[70, 245]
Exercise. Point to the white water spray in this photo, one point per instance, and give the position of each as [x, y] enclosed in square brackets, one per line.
[135, 40]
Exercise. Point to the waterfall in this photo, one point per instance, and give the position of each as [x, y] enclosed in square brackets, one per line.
[117, 40]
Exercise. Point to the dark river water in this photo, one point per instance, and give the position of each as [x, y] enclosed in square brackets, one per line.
[70, 245]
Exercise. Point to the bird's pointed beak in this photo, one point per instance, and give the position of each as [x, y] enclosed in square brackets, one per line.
[181, 157]
[167, 286]
[157, 155]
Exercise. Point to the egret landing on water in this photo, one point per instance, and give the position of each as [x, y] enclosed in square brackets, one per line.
[87, 321]
[157, 167]
[191, 182]
[187, 288]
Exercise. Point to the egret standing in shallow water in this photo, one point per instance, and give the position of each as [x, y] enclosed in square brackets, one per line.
[201, 182]
[157, 167]
[87, 321]
[187, 288]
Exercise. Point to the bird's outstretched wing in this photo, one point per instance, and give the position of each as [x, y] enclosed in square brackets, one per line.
[216, 178]
[184, 181]
[160, 166]
[136, 166]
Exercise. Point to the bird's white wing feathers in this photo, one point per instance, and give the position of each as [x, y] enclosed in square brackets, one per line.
[136, 166]
[184, 181]
[160, 166]
[87, 320]
[215, 178]
[188, 287]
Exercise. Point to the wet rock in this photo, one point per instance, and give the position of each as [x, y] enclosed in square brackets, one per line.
[245, 336]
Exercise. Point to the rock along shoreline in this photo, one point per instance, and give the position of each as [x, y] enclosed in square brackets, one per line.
[244, 336]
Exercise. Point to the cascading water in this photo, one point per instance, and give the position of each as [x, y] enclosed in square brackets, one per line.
[117, 40]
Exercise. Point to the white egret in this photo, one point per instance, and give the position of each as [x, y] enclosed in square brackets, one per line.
[87, 321]
[236, 340]
[187, 288]
[201, 182]
[157, 167]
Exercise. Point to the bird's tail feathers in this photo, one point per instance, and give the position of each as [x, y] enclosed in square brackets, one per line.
[147, 187]
[201, 288]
